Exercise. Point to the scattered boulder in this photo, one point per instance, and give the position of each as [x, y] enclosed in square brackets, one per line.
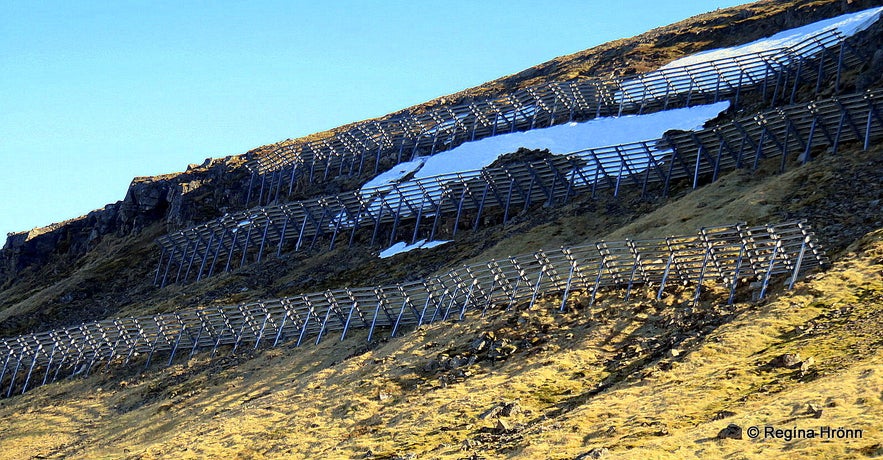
[787, 360]
[482, 343]
[806, 365]
[722, 415]
[502, 427]
[732, 431]
[510, 409]
[492, 412]
[815, 411]
[505, 409]
[596, 453]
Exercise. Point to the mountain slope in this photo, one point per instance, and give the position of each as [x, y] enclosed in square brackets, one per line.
[35, 265]
[641, 379]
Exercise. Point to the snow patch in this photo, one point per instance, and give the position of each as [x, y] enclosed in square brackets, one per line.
[395, 174]
[748, 64]
[466, 161]
[402, 247]
[847, 24]
[470, 157]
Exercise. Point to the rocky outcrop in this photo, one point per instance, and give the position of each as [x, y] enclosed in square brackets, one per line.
[200, 193]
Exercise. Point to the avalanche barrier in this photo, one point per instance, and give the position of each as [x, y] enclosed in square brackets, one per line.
[730, 255]
[793, 131]
[776, 74]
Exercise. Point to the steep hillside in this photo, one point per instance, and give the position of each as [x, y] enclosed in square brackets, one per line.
[638, 378]
[36, 267]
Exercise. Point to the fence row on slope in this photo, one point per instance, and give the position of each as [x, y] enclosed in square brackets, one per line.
[777, 74]
[419, 208]
[726, 254]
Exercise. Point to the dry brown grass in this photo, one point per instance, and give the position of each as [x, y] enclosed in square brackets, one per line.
[314, 402]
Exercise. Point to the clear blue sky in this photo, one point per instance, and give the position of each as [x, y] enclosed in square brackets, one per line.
[95, 93]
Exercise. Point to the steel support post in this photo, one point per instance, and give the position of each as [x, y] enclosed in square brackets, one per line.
[796, 271]
[468, 298]
[159, 333]
[349, 318]
[282, 235]
[159, 266]
[701, 276]
[195, 347]
[15, 373]
[250, 185]
[374, 320]
[735, 281]
[812, 131]
[51, 358]
[377, 223]
[183, 258]
[597, 281]
[567, 286]
[208, 251]
[177, 342]
[769, 271]
[514, 296]
[439, 305]
[168, 266]
[396, 218]
[30, 371]
[665, 273]
[395, 328]
[628, 290]
[419, 216]
[281, 325]
[300, 235]
[264, 239]
[508, 201]
[211, 268]
[453, 298]
[796, 80]
[232, 247]
[459, 211]
[487, 186]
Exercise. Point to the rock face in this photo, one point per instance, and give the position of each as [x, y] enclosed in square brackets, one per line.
[198, 194]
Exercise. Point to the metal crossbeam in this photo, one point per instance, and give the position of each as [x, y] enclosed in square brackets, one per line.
[384, 210]
[721, 254]
[449, 125]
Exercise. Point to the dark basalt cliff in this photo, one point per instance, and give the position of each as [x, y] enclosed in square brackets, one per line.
[178, 200]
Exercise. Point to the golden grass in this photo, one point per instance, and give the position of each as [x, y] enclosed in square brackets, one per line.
[312, 402]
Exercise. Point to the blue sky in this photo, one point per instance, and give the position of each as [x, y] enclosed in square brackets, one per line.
[93, 94]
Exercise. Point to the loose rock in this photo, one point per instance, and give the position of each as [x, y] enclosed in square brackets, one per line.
[595, 454]
[732, 431]
[788, 360]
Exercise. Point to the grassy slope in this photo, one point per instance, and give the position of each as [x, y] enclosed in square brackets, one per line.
[600, 378]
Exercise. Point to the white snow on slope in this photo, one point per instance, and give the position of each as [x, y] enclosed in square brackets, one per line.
[748, 64]
[402, 247]
[396, 173]
[467, 160]
[470, 157]
[847, 24]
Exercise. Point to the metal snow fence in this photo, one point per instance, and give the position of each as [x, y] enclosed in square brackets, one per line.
[415, 209]
[723, 254]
